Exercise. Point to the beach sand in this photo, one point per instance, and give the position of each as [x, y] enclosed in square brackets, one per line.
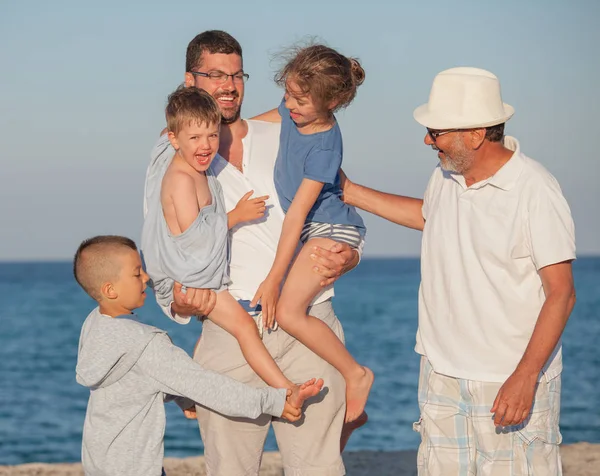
[579, 459]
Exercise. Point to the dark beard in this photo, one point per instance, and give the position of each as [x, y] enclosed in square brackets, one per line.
[230, 120]
[236, 115]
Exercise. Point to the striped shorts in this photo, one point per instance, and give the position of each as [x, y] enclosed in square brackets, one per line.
[348, 234]
[458, 436]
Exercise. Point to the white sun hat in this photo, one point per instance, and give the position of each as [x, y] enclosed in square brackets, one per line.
[464, 98]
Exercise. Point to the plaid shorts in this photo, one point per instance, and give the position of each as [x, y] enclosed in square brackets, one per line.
[458, 436]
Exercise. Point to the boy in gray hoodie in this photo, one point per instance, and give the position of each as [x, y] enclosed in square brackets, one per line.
[132, 368]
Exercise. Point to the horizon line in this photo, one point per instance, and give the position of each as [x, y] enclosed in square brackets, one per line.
[369, 257]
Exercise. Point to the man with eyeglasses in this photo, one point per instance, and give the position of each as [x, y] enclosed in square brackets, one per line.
[245, 162]
[496, 287]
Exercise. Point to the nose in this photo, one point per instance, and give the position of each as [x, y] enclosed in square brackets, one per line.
[428, 140]
[229, 84]
[204, 144]
[145, 277]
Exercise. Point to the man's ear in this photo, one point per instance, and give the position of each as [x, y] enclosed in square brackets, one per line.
[189, 80]
[108, 291]
[173, 140]
[477, 137]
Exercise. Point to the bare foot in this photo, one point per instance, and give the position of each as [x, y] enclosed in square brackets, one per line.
[357, 392]
[348, 428]
[308, 389]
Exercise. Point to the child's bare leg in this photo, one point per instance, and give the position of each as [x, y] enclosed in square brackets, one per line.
[349, 428]
[301, 286]
[229, 315]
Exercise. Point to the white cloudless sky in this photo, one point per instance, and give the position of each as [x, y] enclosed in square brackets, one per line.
[83, 86]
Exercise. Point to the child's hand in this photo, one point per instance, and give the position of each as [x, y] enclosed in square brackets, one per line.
[290, 412]
[248, 209]
[268, 295]
[190, 413]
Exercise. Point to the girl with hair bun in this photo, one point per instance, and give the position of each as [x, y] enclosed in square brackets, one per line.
[318, 81]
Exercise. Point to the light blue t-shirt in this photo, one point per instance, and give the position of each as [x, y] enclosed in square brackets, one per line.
[317, 157]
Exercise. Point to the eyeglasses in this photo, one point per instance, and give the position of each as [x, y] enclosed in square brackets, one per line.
[220, 77]
[435, 134]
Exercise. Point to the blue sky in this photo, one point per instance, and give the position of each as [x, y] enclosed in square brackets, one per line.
[84, 86]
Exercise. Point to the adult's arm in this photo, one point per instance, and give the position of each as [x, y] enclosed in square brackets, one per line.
[194, 302]
[515, 398]
[269, 116]
[405, 211]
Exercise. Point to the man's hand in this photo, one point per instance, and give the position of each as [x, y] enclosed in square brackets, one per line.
[194, 302]
[268, 295]
[334, 262]
[514, 400]
[290, 412]
[190, 413]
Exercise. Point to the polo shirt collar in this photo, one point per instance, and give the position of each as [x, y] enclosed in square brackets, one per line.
[506, 177]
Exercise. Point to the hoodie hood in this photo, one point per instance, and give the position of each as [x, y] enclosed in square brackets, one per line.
[109, 347]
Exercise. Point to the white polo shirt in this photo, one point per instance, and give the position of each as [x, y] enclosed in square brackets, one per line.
[480, 293]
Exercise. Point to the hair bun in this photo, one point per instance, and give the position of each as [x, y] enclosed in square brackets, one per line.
[358, 73]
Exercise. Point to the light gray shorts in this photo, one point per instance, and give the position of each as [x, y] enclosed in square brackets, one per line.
[341, 233]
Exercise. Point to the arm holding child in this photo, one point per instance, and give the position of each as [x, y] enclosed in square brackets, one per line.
[329, 263]
[269, 116]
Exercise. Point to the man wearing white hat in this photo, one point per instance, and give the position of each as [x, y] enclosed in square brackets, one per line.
[496, 287]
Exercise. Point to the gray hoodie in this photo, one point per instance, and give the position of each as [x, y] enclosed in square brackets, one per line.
[131, 369]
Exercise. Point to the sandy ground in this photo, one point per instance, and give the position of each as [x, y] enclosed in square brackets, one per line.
[579, 459]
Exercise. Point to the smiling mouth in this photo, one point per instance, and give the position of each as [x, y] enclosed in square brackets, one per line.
[437, 149]
[226, 100]
[203, 158]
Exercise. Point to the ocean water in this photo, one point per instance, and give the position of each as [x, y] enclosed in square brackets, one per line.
[42, 407]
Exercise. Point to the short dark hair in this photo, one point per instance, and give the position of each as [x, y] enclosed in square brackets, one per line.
[188, 105]
[495, 133]
[212, 41]
[95, 262]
